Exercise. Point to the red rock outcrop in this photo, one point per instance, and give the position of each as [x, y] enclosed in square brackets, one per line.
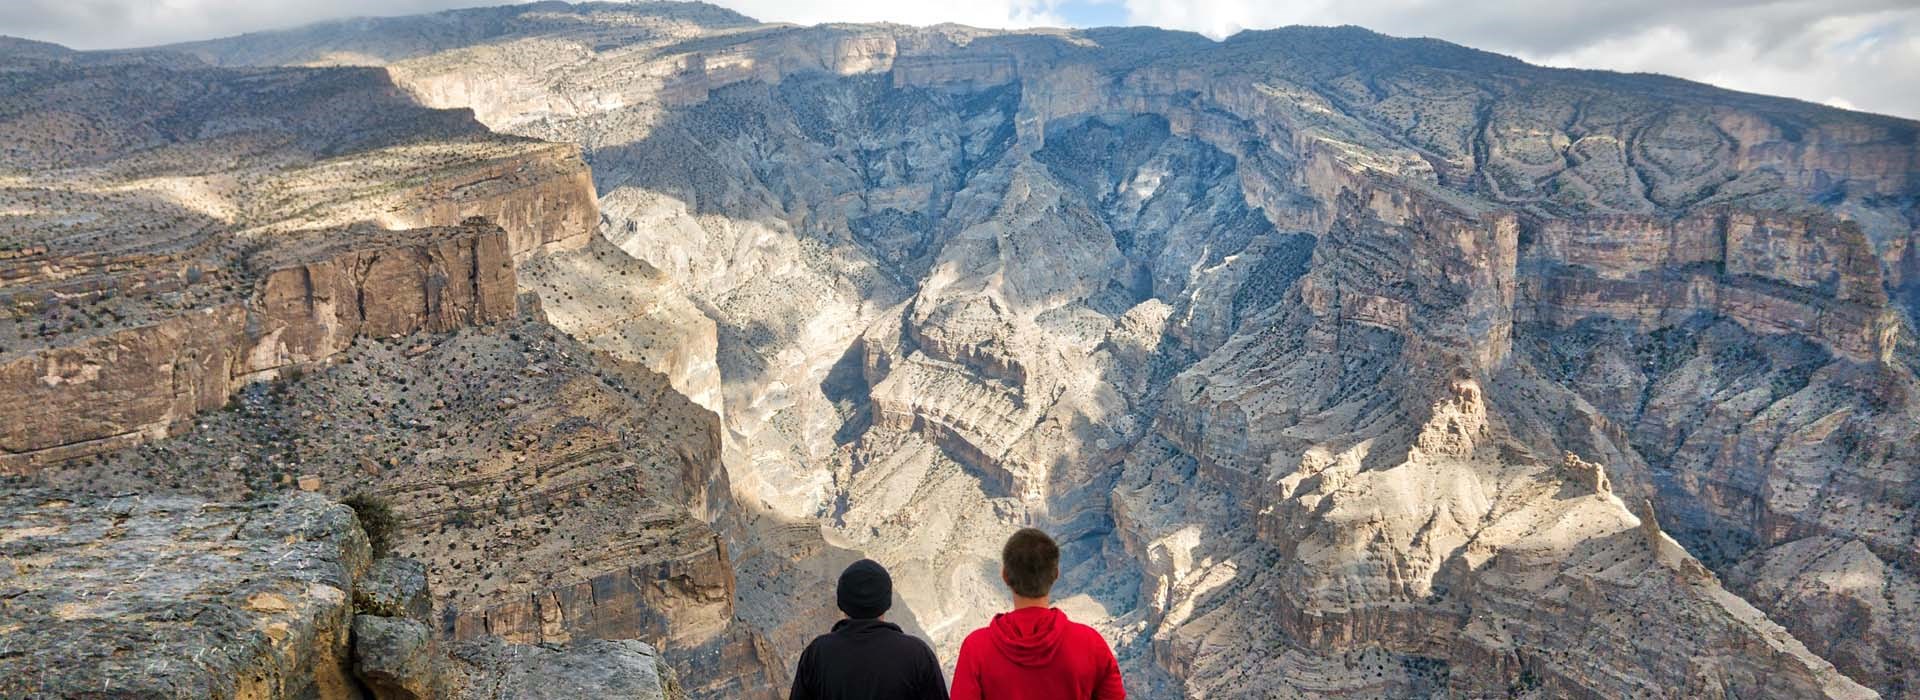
[313, 298]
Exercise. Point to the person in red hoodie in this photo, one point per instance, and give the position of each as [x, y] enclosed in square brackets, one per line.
[1035, 652]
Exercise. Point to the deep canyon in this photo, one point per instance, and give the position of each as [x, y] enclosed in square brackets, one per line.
[1341, 365]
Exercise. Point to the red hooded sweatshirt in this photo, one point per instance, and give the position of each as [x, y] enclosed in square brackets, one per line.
[1036, 654]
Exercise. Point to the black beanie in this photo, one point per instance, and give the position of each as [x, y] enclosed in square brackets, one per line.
[866, 591]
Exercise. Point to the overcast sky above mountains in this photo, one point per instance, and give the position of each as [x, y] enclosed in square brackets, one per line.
[1861, 54]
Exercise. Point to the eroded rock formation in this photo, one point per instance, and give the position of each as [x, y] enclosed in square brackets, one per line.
[552, 496]
[1343, 365]
[347, 293]
[176, 230]
[312, 299]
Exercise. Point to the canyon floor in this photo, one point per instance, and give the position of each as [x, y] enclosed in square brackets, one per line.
[1341, 365]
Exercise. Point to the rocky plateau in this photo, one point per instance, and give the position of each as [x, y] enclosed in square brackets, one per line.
[1342, 365]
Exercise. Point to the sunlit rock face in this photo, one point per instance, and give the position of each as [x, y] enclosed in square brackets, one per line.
[552, 495]
[172, 231]
[1342, 365]
[257, 281]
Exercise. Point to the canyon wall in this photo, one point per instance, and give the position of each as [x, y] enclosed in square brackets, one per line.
[151, 271]
[1805, 275]
[544, 200]
[345, 289]
[1341, 365]
[1315, 347]
[552, 495]
[312, 299]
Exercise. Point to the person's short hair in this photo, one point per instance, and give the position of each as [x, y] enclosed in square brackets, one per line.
[1031, 562]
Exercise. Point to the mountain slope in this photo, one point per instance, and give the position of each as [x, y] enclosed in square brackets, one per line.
[1343, 365]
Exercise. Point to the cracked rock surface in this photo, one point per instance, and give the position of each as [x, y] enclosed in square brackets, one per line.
[174, 597]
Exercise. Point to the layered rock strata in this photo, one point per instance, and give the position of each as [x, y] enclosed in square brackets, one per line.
[1343, 365]
[312, 299]
[1361, 334]
[318, 223]
[1809, 276]
[553, 495]
[206, 226]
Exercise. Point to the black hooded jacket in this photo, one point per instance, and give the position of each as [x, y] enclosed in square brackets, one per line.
[868, 660]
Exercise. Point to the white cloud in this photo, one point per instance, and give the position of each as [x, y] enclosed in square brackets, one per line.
[978, 13]
[1864, 53]
[98, 24]
[94, 24]
[1861, 53]
[1869, 61]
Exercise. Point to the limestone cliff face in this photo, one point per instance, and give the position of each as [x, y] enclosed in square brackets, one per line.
[167, 372]
[553, 496]
[156, 267]
[1809, 276]
[1405, 505]
[312, 299]
[1764, 454]
[544, 199]
[313, 304]
[319, 224]
[1343, 365]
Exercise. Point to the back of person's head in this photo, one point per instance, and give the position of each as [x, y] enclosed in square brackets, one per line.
[865, 591]
[1030, 562]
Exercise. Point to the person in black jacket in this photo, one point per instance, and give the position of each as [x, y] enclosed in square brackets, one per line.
[866, 657]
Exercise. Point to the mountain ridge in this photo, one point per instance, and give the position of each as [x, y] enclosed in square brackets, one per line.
[1342, 365]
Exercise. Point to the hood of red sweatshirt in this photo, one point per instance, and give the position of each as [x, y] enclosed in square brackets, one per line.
[1029, 636]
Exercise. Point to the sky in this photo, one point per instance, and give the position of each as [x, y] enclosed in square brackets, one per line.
[1857, 54]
